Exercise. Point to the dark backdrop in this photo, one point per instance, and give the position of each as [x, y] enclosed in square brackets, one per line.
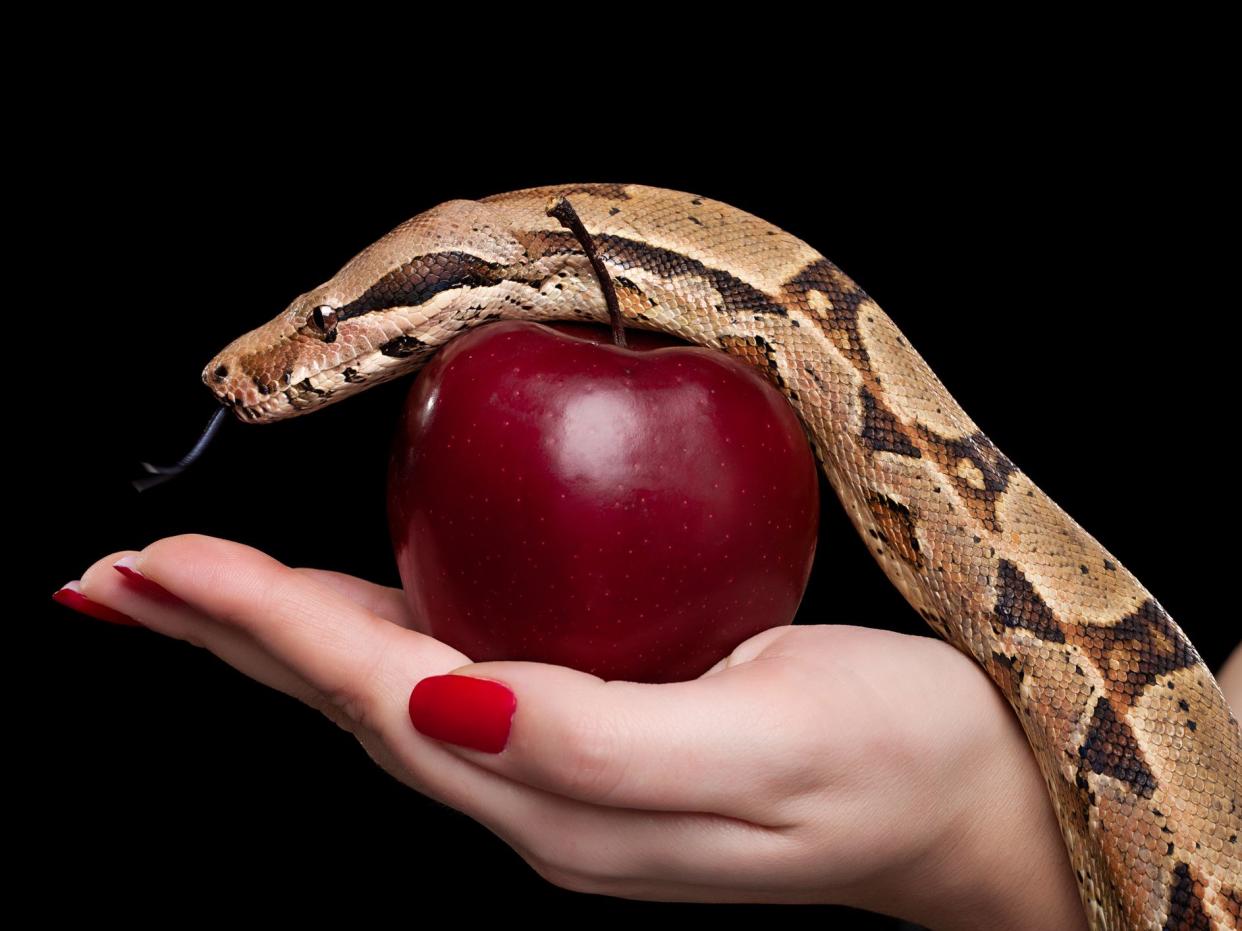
[1054, 263]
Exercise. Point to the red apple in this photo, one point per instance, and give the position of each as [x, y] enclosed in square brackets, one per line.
[633, 513]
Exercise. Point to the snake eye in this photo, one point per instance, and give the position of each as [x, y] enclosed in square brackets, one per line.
[324, 319]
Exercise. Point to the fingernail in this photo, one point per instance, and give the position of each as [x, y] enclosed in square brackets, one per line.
[463, 710]
[71, 597]
[126, 566]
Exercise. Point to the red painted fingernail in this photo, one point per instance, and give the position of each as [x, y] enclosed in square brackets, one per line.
[71, 597]
[464, 710]
[142, 584]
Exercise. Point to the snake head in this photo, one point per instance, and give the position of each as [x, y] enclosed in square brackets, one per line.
[382, 315]
[290, 364]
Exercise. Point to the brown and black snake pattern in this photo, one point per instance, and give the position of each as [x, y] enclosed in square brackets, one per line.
[1142, 757]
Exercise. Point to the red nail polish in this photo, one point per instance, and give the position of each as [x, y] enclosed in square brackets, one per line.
[142, 584]
[464, 710]
[70, 597]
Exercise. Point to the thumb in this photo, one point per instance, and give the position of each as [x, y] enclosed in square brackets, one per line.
[708, 744]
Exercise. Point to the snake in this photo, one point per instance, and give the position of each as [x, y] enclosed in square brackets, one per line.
[1137, 746]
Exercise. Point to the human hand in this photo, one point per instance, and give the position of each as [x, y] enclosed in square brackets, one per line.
[815, 764]
[1230, 678]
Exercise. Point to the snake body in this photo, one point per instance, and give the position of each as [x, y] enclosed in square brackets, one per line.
[1139, 750]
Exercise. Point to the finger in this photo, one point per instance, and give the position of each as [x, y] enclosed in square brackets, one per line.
[1230, 677]
[358, 661]
[673, 856]
[388, 603]
[604, 847]
[665, 856]
[736, 743]
[176, 619]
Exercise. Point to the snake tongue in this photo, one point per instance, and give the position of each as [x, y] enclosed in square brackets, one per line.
[157, 475]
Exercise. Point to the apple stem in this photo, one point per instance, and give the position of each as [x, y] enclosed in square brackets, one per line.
[560, 208]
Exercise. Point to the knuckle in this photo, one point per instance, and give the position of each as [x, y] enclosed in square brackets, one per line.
[564, 868]
[799, 639]
[562, 878]
[758, 645]
[331, 708]
[348, 702]
[577, 877]
[580, 857]
[237, 579]
[775, 797]
[354, 698]
[246, 599]
[592, 766]
[351, 708]
[277, 594]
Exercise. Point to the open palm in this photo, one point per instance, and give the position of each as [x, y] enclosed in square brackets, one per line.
[827, 764]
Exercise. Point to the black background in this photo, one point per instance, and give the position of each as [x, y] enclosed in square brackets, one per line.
[1055, 257]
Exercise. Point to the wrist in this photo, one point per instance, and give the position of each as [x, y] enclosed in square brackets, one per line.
[1001, 862]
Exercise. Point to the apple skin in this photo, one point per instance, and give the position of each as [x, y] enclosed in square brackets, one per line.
[632, 513]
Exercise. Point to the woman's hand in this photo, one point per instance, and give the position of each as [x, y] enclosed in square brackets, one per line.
[815, 764]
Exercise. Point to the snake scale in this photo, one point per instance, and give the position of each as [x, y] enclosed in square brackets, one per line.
[1141, 755]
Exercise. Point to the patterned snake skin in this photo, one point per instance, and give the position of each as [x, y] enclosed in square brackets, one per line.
[1141, 755]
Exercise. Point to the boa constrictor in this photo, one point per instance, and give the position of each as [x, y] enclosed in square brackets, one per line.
[1139, 750]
